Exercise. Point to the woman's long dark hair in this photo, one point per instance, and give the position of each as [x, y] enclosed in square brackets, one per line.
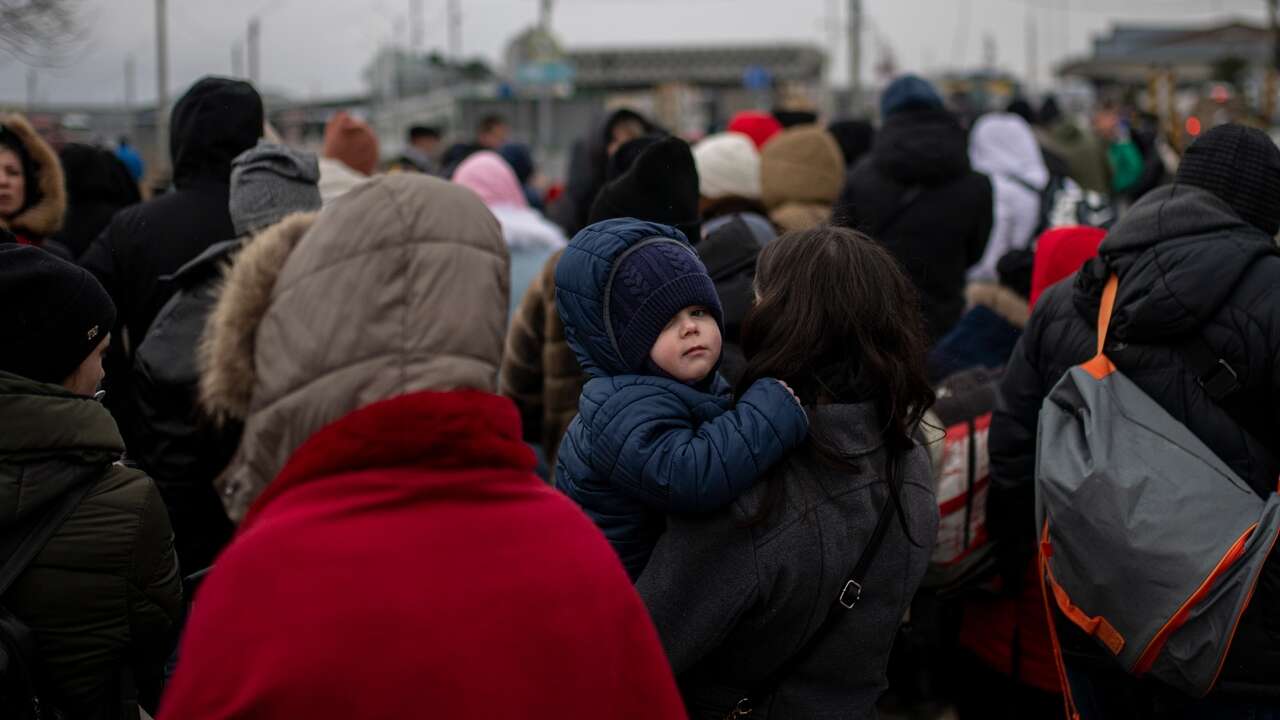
[837, 320]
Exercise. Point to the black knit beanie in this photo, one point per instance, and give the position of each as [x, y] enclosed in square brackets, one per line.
[55, 314]
[1240, 165]
[654, 280]
[625, 156]
[660, 186]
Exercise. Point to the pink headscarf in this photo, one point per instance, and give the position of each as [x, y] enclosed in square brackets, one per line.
[486, 174]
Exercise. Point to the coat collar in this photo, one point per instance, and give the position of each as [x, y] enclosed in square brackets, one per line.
[459, 430]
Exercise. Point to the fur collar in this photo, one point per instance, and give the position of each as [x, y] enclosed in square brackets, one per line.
[45, 217]
[226, 348]
[1001, 300]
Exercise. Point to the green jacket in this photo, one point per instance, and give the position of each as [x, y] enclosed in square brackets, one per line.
[105, 594]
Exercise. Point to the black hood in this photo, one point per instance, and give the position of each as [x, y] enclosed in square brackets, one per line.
[921, 147]
[216, 120]
[1179, 252]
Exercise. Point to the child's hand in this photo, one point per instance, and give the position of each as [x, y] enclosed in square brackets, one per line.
[792, 392]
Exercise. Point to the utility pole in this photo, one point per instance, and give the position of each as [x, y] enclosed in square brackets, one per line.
[455, 30]
[129, 96]
[162, 86]
[32, 87]
[544, 15]
[855, 55]
[416, 29]
[255, 32]
[1269, 101]
[1032, 52]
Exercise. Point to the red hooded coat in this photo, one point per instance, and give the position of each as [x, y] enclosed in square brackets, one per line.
[408, 563]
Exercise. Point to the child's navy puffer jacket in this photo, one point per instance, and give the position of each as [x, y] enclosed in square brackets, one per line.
[644, 446]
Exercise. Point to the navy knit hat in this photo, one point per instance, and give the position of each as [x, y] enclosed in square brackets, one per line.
[1240, 165]
[56, 313]
[654, 280]
[909, 92]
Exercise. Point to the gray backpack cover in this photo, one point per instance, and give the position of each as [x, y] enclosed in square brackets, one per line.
[1148, 541]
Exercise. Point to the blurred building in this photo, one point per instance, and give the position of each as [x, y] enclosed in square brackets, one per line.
[693, 88]
[550, 95]
[1194, 54]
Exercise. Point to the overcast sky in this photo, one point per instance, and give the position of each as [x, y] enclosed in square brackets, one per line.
[318, 47]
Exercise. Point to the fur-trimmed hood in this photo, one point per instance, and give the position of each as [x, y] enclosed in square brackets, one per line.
[43, 218]
[400, 285]
[1001, 300]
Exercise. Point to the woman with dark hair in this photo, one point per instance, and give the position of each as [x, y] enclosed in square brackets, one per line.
[33, 199]
[787, 602]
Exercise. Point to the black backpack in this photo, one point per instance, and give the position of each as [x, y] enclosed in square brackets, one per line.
[18, 697]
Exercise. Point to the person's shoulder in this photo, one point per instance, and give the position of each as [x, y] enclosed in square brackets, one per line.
[122, 488]
[1259, 287]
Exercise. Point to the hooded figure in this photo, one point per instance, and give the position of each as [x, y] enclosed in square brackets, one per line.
[916, 194]
[98, 186]
[530, 238]
[33, 202]
[588, 163]
[174, 442]
[660, 185]
[216, 120]
[801, 172]
[103, 597]
[1003, 147]
[370, 439]
[1197, 266]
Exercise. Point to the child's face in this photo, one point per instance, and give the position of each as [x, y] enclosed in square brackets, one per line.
[689, 346]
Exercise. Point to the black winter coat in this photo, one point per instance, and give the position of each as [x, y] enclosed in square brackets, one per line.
[103, 597]
[174, 443]
[923, 156]
[1187, 265]
[213, 123]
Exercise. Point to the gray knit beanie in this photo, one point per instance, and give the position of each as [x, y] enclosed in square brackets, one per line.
[269, 182]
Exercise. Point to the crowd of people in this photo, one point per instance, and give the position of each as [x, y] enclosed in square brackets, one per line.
[337, 435]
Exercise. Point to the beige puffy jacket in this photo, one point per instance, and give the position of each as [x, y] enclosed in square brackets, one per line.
[398, 286]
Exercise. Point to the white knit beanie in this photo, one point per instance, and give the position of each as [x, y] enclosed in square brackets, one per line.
[728, 165]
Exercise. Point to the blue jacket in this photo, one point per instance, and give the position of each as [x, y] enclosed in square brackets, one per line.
[644, 446]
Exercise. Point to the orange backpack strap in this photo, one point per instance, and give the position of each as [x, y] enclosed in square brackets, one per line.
[1100, 365]
[1068, 700]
